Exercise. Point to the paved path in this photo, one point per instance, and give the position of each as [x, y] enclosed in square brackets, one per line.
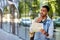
[23, 32]
[6, 36]
[57, 34]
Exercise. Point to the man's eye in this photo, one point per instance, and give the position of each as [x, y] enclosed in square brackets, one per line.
[43, 10]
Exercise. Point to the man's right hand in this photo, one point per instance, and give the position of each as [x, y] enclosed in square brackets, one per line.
[39, 19]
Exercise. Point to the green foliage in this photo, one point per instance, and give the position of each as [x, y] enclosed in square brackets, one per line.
[35, 8]
[52, 5]
[27, 5]
[5, 10]
[58, 7]
[23, 8]
[51, 10]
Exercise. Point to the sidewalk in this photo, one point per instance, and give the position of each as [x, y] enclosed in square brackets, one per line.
[57, 34]
[57, 29]
[7, 36]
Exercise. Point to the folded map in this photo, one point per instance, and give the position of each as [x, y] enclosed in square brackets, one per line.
[35, 27]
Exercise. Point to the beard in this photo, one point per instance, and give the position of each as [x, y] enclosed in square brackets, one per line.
[43, 15]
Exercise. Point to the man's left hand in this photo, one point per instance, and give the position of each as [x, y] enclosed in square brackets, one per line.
[44, 32]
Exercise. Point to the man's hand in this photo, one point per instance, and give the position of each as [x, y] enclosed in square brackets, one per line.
[39, 19]
[44, 32]
[31, 34]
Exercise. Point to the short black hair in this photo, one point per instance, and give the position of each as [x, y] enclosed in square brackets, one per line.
[47, 7]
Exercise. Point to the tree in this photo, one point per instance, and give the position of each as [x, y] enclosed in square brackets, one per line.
[58, 7]
[27, 5]
[23, 8]
[35, 8]
[52, 6]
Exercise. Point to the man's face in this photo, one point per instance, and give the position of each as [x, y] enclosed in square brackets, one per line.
[43, 12]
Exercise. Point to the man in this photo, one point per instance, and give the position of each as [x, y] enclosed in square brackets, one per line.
[47, 32]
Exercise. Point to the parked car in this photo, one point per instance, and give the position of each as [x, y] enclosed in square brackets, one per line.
[26, 22]
[57, 22]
